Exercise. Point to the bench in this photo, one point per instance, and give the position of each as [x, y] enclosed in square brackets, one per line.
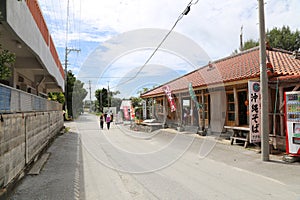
[238, 134]
[152, 126]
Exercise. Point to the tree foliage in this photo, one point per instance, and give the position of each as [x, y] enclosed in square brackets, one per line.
[250, 44]
[75, 95]
[284, 38]
[57, 96]
[143, 90]
[116, 102]
[281, 38]
[102, 99]
[6, 60]
[79, 94]
[247, 45]
[105, 99]
[136, 101]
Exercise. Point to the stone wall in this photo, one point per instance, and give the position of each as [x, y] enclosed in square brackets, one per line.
[22, 137]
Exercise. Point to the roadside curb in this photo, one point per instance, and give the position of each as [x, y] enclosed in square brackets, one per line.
[220, 140]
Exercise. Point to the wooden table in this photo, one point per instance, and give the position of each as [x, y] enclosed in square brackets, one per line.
[238, 134]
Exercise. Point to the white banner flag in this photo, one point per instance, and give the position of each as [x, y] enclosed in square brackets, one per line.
[254, 111]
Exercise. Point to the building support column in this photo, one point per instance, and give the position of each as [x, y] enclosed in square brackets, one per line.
[281, 111]
[236, 107]
[203, 110]
[153, 109]
[180, 109]
[164, 110]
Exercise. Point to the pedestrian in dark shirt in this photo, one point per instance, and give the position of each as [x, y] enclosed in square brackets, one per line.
[102, 118]
[108, 121]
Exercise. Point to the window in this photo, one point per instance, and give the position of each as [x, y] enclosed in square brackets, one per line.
[230, 120]
[206, 109]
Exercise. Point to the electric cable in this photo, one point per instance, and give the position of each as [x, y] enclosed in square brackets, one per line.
[185, 12]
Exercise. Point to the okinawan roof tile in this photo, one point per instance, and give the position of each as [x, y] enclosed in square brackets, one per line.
[242, 66]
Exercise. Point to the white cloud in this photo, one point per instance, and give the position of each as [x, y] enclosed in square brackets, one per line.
[212, 25]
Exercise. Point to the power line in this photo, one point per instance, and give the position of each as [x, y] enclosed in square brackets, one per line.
[185, 12]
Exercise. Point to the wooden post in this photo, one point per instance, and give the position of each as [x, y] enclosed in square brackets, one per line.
[164, 111]
[281, 111]
[153, 108]
[203, 110]
[236, 107]
[192, 112]
[180, 108]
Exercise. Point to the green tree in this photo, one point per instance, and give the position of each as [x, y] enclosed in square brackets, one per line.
[284, 38]
[6, 60]
[75, 95]
[250, 44]
[247, 45]
[57, 96]
[105, 99]
[68, 94]
[116, 102]
[79, 94]
[102, 100]
[143, 91]
[136, 101]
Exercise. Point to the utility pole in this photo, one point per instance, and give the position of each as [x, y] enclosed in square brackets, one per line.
[108, 94]
[263, 85]
[90, 91]
[90, 95]
[241, 40]
[67, 51]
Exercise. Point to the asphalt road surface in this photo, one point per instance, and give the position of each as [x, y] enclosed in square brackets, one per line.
[89, 163]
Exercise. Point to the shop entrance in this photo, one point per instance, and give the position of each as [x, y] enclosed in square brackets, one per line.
[242, 97]
[186, 111]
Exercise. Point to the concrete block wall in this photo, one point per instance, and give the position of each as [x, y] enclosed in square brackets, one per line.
[22, 137]
[12, 147]
[37, 133]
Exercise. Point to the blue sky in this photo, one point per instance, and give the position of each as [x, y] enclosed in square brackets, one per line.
[116, 37]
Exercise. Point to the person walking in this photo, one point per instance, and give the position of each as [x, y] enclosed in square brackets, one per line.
[102, 118]
[108, 119]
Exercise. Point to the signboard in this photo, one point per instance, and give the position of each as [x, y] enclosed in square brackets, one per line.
[132, 113]
[126, 113]
[254, 111]
[168, 93]
[193, 96]
[144, 110]
[186, 102]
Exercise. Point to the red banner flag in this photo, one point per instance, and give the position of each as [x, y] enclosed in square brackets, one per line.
[168, 93]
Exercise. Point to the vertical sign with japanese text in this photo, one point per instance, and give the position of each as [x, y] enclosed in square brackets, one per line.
[144, 110]
[254, 111]
[168, 93]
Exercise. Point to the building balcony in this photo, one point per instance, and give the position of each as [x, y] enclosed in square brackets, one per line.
[23, 31]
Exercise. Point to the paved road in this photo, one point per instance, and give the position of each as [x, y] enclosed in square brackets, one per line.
[90, 163]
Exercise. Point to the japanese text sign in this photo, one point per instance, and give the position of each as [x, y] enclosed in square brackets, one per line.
[168, 93]
[254, 111]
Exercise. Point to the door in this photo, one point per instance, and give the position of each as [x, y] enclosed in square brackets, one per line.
[186, 111]
[242, 98]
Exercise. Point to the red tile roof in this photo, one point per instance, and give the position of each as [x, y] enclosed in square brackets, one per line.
[242, 66]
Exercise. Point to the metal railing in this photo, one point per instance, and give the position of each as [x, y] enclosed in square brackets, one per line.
[13, 101]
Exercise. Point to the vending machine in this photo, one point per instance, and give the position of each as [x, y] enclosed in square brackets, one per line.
[292, 116]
